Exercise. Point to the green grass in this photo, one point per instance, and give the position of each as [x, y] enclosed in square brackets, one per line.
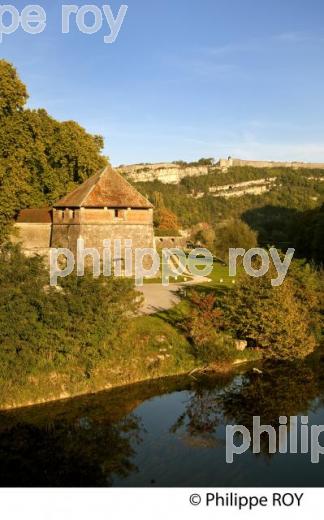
[172, 280]
[220, 276]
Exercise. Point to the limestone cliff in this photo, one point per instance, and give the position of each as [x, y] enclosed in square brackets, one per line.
[172, 173]
[168, 173]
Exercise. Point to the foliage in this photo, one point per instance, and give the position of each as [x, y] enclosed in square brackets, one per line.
[13, 91]
[204, 327]
[204, 317]
[165, 219]
[203, 235]
[277, 320]
[289, 215]
[232, 234]
[40, 158]
[84, 319]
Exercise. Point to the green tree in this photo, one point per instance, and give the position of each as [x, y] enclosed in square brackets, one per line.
[203, 235]
[13, 93]
[40, 158]
[277, 320]
[232, 234]
[79, 323]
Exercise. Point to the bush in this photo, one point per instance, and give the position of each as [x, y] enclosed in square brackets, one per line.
[40, 326]
[278, 320]
[217, 348]
[204, 328]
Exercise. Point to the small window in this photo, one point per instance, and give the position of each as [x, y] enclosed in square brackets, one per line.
[119, 213]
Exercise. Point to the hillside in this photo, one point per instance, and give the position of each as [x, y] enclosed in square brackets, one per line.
[173, 173]
[283, 205]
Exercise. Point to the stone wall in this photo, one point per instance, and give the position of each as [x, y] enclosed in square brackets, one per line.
[94, 225]
[140, 235]
[224, 164]
[34, 238]
[97, 225]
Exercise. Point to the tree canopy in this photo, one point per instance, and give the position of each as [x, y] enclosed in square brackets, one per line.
[40, 158]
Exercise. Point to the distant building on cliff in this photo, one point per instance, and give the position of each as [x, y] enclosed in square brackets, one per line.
[231, 162]
[105, 206]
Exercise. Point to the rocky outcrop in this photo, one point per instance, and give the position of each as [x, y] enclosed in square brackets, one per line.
[173, 173]
[168, 173]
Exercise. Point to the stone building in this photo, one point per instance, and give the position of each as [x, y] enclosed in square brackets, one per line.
[104, 207]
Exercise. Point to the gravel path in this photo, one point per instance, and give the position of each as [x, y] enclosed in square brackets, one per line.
[159, 298]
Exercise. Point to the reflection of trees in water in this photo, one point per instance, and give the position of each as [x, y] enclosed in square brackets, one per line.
[282, 389]
[201, 414]
[81, 453]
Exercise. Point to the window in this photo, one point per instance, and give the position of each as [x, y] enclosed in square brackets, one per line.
[119, 213]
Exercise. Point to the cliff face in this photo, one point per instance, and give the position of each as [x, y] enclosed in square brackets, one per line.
[172, 173]
[168, 173]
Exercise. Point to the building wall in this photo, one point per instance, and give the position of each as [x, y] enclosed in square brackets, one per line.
[141, 236]
[34, 238]
[97, 225]
[94, 226]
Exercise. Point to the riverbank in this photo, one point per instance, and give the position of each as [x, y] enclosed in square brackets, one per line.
[154, 349]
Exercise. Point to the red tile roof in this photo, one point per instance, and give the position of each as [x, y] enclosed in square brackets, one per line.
[35, 216]
[104, 189]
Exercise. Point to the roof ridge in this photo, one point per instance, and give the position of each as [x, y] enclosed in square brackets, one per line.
[108, 188]
[93, 186]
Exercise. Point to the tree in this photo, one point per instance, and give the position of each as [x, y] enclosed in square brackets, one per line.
[277, 320]
[158, 200]
[41, 326]
[203, 235]
[13, 93]
[205, 329]
[40, 158]
[233, 234]
[166, 220]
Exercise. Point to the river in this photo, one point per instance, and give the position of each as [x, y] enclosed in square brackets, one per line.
[170, 432]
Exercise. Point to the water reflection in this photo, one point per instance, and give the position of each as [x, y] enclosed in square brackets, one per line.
[170, 432]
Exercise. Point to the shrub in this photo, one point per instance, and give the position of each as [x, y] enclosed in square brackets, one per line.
[41, 326]
[278, 320]
[217, 348]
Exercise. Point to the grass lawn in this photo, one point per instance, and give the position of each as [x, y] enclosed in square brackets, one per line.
[220, 276]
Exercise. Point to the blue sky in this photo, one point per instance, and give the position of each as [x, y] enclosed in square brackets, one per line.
[185, 79]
